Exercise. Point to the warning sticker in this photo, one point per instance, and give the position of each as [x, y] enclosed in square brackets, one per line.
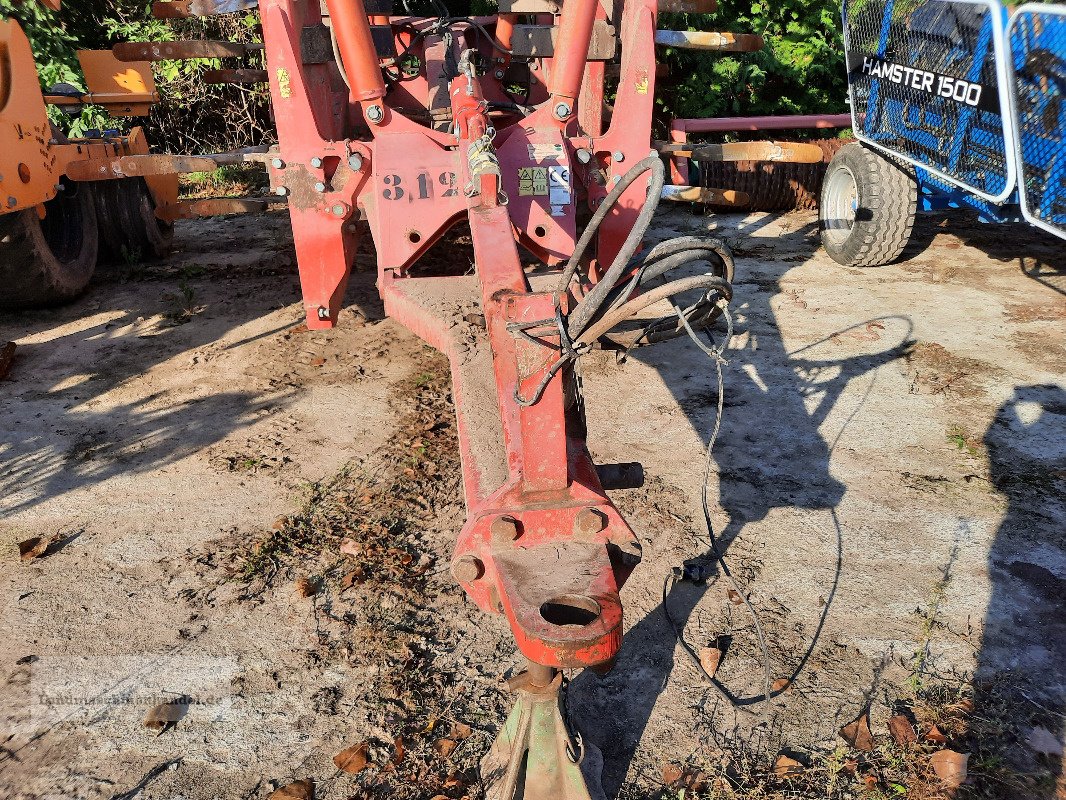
[545, 152]
[533, 181]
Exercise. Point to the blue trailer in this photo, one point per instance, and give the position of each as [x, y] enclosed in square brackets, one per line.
[955, 103]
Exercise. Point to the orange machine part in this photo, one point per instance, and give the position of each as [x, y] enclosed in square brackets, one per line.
[27, 163]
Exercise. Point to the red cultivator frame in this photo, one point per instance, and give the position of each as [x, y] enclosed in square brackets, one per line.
[541, 528]
[543, 544]
[416, 124]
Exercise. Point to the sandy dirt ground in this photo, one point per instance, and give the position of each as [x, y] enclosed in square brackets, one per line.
[889, 486]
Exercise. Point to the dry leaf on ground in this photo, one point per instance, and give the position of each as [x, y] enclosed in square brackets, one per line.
[445, 747]
[902, 731]
[460, 730]
[280, 523]
[34, 547]
[964, 707]
[297, 790]
[350, 547]
[306, 587]
[354, 759]
[1044, 742]
[352, 578]
[935, 736]
[780, 685]
[399, 752]
[950, 766]
[734, 597]
[857, 733]
[786, 767]
[166, 715]
[672, 774]
[454, 782]
[710, 658]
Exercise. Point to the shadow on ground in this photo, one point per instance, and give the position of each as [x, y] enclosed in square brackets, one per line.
[774, 452]
[1022, 659]
[68, 421]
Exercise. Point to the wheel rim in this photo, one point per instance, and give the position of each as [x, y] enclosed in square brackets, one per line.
[840, 203]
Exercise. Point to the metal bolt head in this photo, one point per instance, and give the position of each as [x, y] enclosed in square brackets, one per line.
[316, 162]
[338, 210]
[281, 191]
[562, 110]
[504, 528]
[498, 74]
[12, 202]
[583, 155]
[355, 161]
[320, 187]
[618, 156]
[467, 569]
[323, 312]
[375, 113]
[589, 521]
[277, 163]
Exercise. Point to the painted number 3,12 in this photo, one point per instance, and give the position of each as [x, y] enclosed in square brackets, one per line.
[421, 189]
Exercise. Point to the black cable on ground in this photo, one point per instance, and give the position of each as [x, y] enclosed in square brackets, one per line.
[612, 302]
[677, 574]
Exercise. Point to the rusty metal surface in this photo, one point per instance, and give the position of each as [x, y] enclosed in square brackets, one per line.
[221, 206]
[766, 123]
[159, 164]
[181, 9]
[529, 6]
[240, 77]
[706, 40]
[538, 41]
[794, 152]
[703, 194]
[688, 6]
[770, 186]
[163, 51]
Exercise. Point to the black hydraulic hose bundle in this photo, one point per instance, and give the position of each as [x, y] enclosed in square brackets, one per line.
[609, 303]
[612, 302]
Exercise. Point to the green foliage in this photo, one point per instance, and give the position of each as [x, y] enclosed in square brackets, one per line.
[55, 38]
[191, 115]
[800, 71]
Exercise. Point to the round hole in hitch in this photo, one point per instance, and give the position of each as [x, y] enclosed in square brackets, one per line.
[414, 237]
[570, 609]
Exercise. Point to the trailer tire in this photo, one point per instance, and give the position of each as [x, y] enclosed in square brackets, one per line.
[45, 262]
[867, 209]
[130, 231]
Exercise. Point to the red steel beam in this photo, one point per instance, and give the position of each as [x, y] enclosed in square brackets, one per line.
[355, 42]
[571, 54]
